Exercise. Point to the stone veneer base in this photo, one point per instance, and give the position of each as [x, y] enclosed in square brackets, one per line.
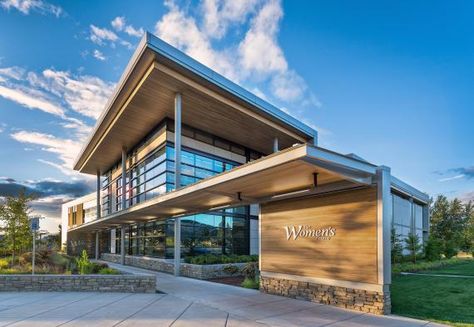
[349, 298]
[78, 283]
[167, 266]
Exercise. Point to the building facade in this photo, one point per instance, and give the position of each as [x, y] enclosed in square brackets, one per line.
[189, 163]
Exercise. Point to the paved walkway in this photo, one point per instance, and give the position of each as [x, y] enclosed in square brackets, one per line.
[437, 275]
[184, 302]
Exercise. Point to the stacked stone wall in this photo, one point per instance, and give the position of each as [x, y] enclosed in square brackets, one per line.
[349, 298]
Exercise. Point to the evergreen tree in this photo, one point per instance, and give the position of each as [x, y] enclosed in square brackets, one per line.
[468, 231]
[413, 245]
[15, 224]
[397, 247]
[448, 224]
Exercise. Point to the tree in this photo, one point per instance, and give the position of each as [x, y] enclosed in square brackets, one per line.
[433, 249]
[413, 246]
[15, 224]
[447, 224]
[397, 247]
[467, 244]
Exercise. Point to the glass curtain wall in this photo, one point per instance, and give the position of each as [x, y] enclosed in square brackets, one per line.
[221, 232]
[155, 175]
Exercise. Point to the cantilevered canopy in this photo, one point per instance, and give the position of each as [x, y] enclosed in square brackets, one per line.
[145, 96]
[300, 170]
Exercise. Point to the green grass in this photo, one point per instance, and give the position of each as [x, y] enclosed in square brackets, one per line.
[442, 299]
[464, 268]
[250, 283]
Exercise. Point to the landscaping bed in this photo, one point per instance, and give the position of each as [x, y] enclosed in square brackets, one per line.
[427, 265]
[51, 262]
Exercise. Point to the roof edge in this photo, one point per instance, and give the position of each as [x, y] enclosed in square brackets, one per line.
[174, 54]
[409, 190]
[150, 41]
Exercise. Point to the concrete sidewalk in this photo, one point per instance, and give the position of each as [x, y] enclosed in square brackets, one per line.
[247, 307]
[184, 302]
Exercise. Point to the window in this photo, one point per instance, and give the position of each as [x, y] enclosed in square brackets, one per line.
[220, 232]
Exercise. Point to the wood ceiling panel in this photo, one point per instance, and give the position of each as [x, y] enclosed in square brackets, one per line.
[154, 101]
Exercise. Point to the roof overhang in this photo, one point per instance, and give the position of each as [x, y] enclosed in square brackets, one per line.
[145, 96]
[287, 173]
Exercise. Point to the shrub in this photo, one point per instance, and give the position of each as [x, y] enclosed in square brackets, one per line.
[59, 260]
[83, 264]
[250, 270]
[425, 265]
[433, 249]
[97, 267]
[210, 259]
[4, 264]
[250, 283]
[450, 249]
[108, 271]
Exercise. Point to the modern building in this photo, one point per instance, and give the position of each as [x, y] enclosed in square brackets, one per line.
[189, 163]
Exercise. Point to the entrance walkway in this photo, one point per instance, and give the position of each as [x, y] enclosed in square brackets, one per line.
[213, 304]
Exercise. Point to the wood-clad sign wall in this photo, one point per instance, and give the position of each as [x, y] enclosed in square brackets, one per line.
[332, 236]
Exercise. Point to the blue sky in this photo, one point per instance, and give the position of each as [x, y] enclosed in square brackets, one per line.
[389, 81]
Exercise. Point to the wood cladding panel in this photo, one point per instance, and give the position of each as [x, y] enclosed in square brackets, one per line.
[69, 216]
[80, 214]
[154, 101]
[351, 254]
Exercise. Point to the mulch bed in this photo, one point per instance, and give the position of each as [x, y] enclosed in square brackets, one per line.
[235, 281]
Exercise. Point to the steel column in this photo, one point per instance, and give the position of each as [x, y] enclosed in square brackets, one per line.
[99, 186]
[97, 245]
[384, 224]
[177, 180]
[122, 245]
[124, 178]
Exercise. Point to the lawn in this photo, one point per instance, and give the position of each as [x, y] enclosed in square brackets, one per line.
[465, 269]
[442, 299]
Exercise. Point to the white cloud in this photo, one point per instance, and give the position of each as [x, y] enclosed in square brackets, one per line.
[57, 93]
[259, 51]
[66, 149]
[447, 179]
[31, 101]
[84, 94]
[101, 35]
[13, 72]
[253, 56]
[288, 86]
[218, 15]
[130, 30]
[25, 6]
[98, 55]
[118, 23]
[182, 31]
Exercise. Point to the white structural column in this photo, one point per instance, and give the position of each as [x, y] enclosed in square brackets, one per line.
[99, 186]
[124, 178]
[275, 145]
[122, 245]
[177, 180]
[97, 245]
[384, 221]
[412, 216]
